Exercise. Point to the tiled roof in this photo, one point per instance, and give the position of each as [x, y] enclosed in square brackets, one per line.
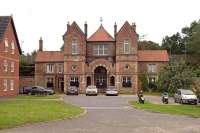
[4, 21]
[101, 35]
[49, 56]
[153, 55]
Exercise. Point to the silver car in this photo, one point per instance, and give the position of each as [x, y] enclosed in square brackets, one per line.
[91, 90]
[185, 96]
[111, 91]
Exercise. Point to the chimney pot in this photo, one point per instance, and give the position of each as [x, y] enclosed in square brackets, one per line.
[85, 29]
[40, 44]
[115, 29]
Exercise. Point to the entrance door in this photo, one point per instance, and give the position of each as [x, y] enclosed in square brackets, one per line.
[100, 77]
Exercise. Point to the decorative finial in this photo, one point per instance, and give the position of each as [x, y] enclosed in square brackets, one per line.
[101, 20]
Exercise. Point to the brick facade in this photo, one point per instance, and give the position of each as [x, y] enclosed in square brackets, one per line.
[100, 60]
[9, 58]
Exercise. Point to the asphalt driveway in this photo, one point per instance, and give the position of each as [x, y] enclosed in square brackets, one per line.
[113, 115]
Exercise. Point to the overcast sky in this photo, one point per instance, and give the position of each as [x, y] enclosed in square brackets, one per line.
[48, 18]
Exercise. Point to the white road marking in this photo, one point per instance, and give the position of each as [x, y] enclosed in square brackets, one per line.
[111, 108]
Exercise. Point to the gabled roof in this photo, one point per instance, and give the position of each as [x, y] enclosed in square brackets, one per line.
[74, 25]
[4, 21]
[153, 55]
[101, 35]
[49, 56]
[126, 24]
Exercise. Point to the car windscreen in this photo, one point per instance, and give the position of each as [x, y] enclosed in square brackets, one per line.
[187, 92]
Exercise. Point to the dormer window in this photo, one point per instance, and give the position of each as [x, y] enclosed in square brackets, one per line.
[126, 46]
[74, 47]
[6, 45]
[13, 47]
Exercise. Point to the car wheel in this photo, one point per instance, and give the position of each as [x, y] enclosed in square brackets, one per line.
[175, 100]
[181, 101]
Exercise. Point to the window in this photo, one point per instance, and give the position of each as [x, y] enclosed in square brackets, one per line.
[74, 47]
[100, 49]
[13, 47]
[11, 84]
[6, 45]
[60, 68]
[5, 62]
[152, 82]
[50, 68]
[50, 82]
[126, 47]
[5, 84]
[12, 66]
[74, 81]
[151, 68]
[126, 81]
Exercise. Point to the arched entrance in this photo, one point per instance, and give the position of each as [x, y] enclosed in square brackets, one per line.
[88, 80]
[112, 81]
[100, 77]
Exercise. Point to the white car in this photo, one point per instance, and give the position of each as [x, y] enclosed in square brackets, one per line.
[111, 91]
[185, 96]
[91, 90]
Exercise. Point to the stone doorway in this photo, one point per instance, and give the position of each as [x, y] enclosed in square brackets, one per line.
[100, 77]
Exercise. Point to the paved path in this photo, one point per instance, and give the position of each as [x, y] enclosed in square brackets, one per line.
[113, 115]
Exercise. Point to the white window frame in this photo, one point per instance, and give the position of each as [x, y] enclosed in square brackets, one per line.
[13, 47]
[100, 49]
[74, 79]
[11, 85]
[126, 46]
[50, 68]
[74, 46]
[6, 45]
[126, 79]
[5, 84]
[12, 66]
[60, 68]
[152, 68]
[5, 63]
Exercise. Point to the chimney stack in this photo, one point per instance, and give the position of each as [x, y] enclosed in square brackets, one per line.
[68, 25]
[115, 29]
[134, 26]
[85, 29]
[40, 44]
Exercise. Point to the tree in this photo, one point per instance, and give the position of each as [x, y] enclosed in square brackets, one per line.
[174, 44]
[148, 45]
[143, 82]
[192, 38]
[178, 75]
[62, 48]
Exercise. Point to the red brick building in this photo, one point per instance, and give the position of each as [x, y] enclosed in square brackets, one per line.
[100, 59]
[9, 57]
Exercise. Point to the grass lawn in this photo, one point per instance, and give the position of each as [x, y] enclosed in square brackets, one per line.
[189, 110]
[16, 111]
[55, 96]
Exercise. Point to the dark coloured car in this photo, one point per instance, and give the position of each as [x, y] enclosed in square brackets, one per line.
[72, 90]
[38, 90]
[25, 90]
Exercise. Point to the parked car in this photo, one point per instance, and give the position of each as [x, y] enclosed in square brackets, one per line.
[185, 96]
[111, 91]
[91, 90]
[38, 90]
[72, 90]
[25, 90]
